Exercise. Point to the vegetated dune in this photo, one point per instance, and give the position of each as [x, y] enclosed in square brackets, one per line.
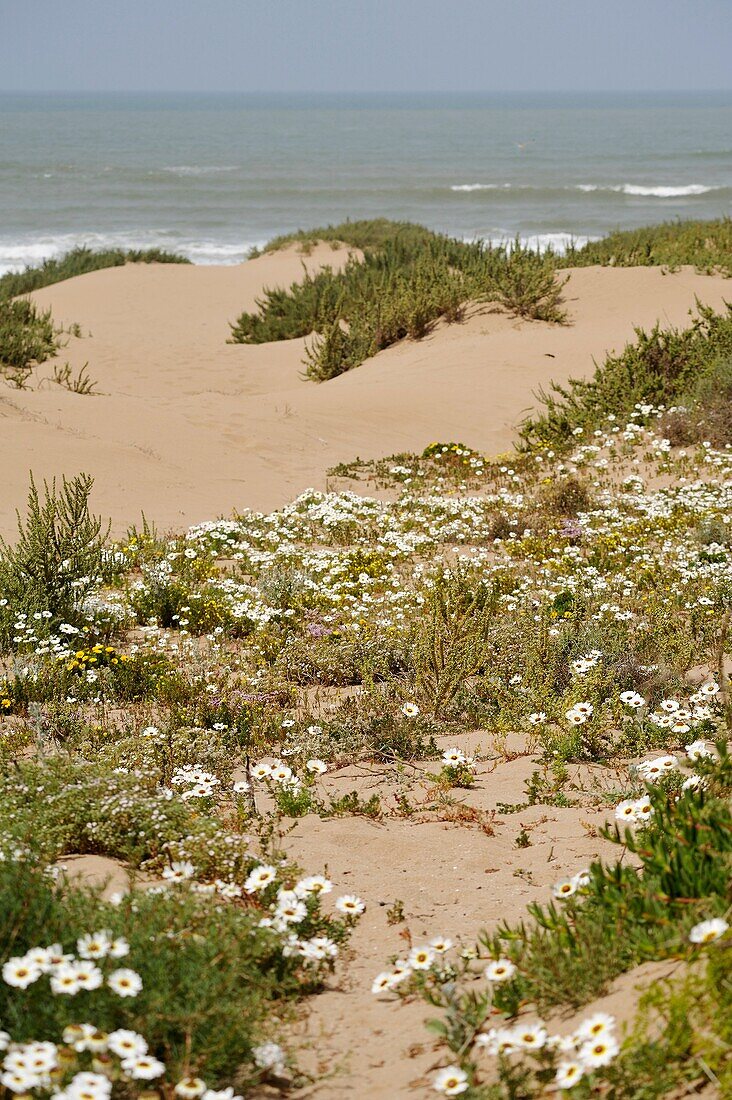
[187, 427]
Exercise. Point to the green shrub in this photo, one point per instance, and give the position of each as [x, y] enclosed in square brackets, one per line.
[706, 414]
[707, 245]
[366, 234]
[527, 285]
[211, 979]
[27, 337]
[408, 279]
[57, 560]
[660, 368]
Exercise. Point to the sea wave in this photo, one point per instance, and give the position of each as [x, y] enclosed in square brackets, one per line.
[557, 242]
[198, 169]
[656, 191]
[478, 186]
[18, 254]
[662, 191]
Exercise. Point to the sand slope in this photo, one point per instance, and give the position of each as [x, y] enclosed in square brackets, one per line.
[189, 427]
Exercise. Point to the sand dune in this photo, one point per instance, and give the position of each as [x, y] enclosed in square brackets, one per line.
[188, 427]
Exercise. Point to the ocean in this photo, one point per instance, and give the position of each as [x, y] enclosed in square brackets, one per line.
[213, 175]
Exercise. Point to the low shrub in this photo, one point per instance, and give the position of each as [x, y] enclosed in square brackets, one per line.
[660, 368]
[406, 281]
[27, 337]
[58, 558]
[527, 285]
[204, 978]
[707, 245]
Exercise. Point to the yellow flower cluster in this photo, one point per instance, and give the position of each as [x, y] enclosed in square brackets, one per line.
[99, 655]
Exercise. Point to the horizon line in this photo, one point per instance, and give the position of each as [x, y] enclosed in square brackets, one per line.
[372, 91]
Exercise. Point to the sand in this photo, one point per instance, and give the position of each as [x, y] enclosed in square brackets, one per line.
[187, 427]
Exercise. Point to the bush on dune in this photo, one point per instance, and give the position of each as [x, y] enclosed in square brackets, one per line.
[407, 281]
[663, 367]
[706, 245]
[365, 234]
[411, 277]
[27, 337]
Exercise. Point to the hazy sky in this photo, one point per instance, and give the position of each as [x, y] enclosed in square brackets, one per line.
[365, 45]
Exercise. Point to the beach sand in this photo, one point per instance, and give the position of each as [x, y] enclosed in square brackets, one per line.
[187, 427]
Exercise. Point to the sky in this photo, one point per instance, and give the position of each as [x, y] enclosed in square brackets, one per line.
[365, 45]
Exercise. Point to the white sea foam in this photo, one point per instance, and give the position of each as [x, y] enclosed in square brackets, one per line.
[15, 255]
[198, 169]
[477, 186]
[659, 192]
[558, 242]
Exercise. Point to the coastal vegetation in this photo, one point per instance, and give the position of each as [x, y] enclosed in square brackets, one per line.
[399, 287]
[689, 370]
[705, 245]
[407, 278]
[27, 337]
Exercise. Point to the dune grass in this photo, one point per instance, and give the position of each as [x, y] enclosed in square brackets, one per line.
[27, 337]
[688, 367]
[706, 245]
[366, 234]
[410, 277]
[78, 262]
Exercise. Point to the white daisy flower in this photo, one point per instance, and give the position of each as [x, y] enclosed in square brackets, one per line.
[530, 1037]
[125, 982]
[500, 970]
[260, 878]
[564, 888]
[421, 958]
[598, 1052]
[143, 1067]
[21, 972]
[568, 1074]
[451, 1081]
[599, 1024]
[625, 811]
[179, 871]
[190, 1088]
[699, 749]
[708, 930]
[350, 905]
[313, 884]
[126, 1044]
